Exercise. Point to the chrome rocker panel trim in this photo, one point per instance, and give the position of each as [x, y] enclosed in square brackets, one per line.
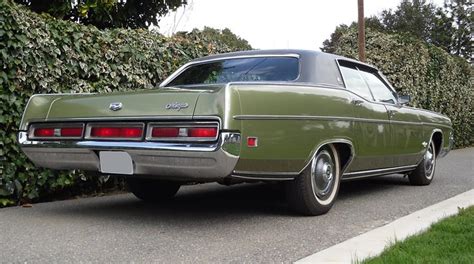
[178, 161]
[376, 172]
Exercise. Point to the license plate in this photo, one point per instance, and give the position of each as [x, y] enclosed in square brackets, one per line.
[115, 162]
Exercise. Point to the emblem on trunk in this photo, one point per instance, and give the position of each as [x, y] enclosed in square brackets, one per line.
[115, 106]
[176, 106]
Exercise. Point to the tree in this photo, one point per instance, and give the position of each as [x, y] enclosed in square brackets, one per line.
[225, 36]
[461, 15]
[330, 45]
[419, 19]
[106, 13]
[446, 27]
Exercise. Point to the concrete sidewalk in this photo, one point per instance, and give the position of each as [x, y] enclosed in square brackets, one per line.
[372, 243]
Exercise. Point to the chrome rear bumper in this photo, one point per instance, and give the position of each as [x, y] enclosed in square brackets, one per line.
[180, 161]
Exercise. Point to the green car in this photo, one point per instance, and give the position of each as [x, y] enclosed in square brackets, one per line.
[306, 118]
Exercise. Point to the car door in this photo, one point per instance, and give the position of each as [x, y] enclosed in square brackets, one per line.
[405, 126]
[372, 133]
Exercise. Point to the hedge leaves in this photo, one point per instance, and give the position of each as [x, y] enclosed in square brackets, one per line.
[39, 54]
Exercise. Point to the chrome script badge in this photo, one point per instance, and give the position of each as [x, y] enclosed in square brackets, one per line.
[176, 106]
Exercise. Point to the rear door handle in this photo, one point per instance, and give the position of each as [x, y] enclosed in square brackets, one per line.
[357, 102]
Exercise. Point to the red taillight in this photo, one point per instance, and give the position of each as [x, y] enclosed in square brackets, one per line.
[131, 132]
[202, 132]
[160, 132]
[44, 132]
[71, 132]
[116, 132]
[183, 132]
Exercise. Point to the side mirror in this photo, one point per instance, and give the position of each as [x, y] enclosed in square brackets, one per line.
[403, 99]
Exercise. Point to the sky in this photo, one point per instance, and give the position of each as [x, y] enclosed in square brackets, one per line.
[273, 24]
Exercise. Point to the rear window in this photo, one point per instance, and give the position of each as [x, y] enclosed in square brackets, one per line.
[240, 70]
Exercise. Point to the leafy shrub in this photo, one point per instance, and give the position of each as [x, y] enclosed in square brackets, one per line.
[435, 80]
[39, 54]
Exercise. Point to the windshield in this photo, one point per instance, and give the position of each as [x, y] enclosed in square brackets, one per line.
[239, 70]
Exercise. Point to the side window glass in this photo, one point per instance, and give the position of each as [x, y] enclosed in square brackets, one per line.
[355, 83]
[380, 91]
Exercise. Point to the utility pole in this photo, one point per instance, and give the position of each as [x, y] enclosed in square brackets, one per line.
[361, 23]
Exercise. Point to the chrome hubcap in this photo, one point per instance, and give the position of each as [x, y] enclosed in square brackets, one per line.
[429, 161]
[323, 171]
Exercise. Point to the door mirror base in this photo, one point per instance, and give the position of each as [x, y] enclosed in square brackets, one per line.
[404, 99]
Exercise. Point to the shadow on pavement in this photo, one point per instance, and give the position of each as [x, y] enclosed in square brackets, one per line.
[208, 202]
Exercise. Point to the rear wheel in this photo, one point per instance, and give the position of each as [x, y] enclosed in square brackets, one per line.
[152, 190]
[423, 174]
[315, 190]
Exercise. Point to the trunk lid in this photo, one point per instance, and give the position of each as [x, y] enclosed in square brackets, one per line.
[146, 103]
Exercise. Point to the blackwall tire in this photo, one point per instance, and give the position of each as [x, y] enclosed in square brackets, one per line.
[315, 190]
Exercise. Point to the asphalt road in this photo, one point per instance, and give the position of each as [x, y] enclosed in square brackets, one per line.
[213, 223]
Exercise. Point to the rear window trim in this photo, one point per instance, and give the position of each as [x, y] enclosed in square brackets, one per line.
[199, 62]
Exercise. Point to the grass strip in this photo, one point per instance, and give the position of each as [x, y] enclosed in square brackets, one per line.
[449, 241]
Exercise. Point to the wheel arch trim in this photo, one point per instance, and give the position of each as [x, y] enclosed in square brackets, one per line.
[332, 141]
[433, 132]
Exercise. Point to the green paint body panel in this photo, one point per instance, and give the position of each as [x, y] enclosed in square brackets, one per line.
[290, 121]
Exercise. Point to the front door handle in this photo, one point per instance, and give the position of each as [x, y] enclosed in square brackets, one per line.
[357, 102]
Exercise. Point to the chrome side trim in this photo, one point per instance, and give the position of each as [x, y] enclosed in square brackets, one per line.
[192, 63]
[377, 172]
[267, 173]
[264, 176]
[332, 118]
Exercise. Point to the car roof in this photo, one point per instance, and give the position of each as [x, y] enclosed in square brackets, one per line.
[316, 67]
[299, 52]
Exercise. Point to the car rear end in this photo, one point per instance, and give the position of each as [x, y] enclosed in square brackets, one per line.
[154, 133]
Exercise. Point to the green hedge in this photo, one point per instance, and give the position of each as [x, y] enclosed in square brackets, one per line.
[435, 79]
[40, 54]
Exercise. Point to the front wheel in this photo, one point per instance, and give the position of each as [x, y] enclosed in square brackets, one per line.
[423, 174]
[315, 190]
[152, 190]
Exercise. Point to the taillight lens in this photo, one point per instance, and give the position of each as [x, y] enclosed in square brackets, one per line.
[116, 132]
[71, 132]
[57, 131]
[44, 132]
[202, 132]
[183, 132]
[163, 132]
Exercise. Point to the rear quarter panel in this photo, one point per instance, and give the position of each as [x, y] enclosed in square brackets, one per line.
[290, 122]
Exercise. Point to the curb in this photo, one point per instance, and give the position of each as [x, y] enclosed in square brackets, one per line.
[372, 243]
